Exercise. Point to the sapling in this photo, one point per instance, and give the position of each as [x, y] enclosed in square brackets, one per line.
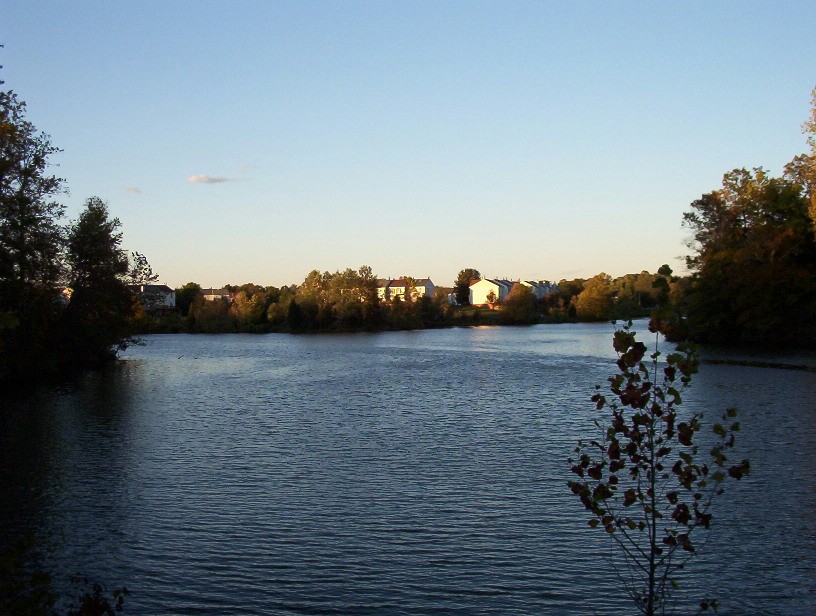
[645, 480]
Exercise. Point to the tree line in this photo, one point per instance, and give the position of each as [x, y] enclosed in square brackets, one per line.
[752, 274]
[343, 301]
[44, 332]
[347, 301]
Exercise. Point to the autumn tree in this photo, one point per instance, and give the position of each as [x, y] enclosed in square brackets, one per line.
[594, 302]
[754, 264]
[649, 478]
[249, 309]
[807, 176]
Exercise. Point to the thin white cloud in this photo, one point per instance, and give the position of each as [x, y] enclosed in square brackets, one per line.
[208, 179]
[134, 190]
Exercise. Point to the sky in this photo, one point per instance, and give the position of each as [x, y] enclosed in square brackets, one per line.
[256, 141]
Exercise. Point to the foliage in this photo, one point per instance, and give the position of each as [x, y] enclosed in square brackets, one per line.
[30, 238]
[42, 331]
[646, 479]
[491, 298]
[24, 588]
[140, 271]
[249, 307]
[803, 168]
[755, 262]
[212, 316]
[96, 322]
[30, 243]
[462, 285]
[185, 296]
[519, 307]
[595, 301]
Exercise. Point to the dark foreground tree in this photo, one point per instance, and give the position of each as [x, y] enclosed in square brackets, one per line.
[30, 242]
[97, 320]
[755, 264]
[645, 479]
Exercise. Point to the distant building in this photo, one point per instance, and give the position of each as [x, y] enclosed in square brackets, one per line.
[388, 289]
[211, 295]
[480, 289]
[540, 288]
[156, 298]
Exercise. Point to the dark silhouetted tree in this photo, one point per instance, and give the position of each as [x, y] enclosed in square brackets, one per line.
[97, 321]
[461, 287]
[647, 479]
[754, 269]
[31, 243]
[185, 296]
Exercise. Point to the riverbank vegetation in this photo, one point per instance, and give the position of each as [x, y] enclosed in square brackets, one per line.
[65, 301]
[347, 301]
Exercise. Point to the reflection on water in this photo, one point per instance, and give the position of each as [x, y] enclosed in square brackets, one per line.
[408, 472]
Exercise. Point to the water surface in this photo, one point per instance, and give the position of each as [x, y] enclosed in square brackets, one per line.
[396, 473]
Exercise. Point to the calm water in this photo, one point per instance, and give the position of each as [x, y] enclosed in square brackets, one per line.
[398, 473]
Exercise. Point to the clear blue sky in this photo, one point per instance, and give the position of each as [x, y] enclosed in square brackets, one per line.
[525, 139]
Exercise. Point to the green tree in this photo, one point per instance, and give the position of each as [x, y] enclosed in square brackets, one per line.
[461, 287]
[249, 309]
[568, 289]
[411, 292]
[802, 169]
[185, 296]
[31, 242]
[755, 262]
[491, 298]
[211, 316]
[595, 301]
[644, 478]
[98, 317]
[519, 307]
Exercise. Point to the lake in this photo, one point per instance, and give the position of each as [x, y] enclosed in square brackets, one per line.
[394, 473]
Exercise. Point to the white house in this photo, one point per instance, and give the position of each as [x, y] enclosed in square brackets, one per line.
[388, 289]
[480, 290]
[211, 295]
[540, 288]
[155, 298]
